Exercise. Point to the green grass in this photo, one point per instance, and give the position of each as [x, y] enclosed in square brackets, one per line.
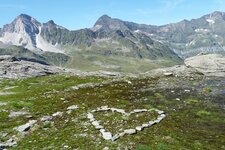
[194, 122]
[87, 62]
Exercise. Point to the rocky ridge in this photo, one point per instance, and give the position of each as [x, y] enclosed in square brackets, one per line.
[11, 67]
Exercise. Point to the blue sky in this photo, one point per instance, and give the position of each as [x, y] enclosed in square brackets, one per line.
[76, 14]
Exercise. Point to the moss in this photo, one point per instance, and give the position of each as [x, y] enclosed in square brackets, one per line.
[143, 147]
[207, 90]
[188, 125]
[158, 95]
[203, 113]
[192, 101]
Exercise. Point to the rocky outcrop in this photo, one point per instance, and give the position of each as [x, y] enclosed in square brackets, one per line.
[10, 67]
[203, 64]
[209, 65]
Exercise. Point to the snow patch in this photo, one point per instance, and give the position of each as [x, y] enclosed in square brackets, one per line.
[201, 30]
[137, 31]
[45, 46]
[190, 43]
[210, 21]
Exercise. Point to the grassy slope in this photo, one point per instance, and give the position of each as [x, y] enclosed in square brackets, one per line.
[194, 122]
[87, 62]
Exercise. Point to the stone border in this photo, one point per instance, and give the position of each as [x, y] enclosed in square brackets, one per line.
[108, 135]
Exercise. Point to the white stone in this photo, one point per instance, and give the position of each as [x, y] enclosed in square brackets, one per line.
[46, 118]
[26, 126]
[157, 120]
[18, 113]
[107, 135]
[139, 128]
[121, 134]
[151, 123]
[163, 115]
[130, 131]
[115, 137]
[73, 107]
[3, 103]
[57, 114]
[99, 127]
[168, 74]
[187, 91]
[145, 125]
[95, 123]
[160, 112]
[90, 116]
[139, 110]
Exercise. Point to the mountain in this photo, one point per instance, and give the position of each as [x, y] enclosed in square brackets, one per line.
[25, 31]
[114, 44]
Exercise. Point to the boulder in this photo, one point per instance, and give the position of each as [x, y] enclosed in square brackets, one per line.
[209, 65]
[130, 131]
[25, 127]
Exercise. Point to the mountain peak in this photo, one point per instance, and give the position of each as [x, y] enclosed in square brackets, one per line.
[107, 23]
[105, 17]
[51, 22]
[216, 15]
[23, 16]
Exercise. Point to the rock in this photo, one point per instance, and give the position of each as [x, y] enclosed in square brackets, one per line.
[18, 113]
[3, 103]
[130, 131]
[46, 118]
[73, 107]
[99, 127]
[163, 115]
[177, 99]
[160, 112]
[7, 58]
[90, 116]
[121, 134]
[118, 110]
[187, 91]
[8, 144]
[57, 114]
[157, 120]
[107, 135]
[139, 128]
[115, 137]
[145, 125]
[69, 111]
[95, 123]
[6, 93]
[139, 110]
[25, 127]
[105, 148]
[209, 65]
[168, 74]
[151, 123]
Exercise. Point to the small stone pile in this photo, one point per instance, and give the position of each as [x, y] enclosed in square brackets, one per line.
[108, 135]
